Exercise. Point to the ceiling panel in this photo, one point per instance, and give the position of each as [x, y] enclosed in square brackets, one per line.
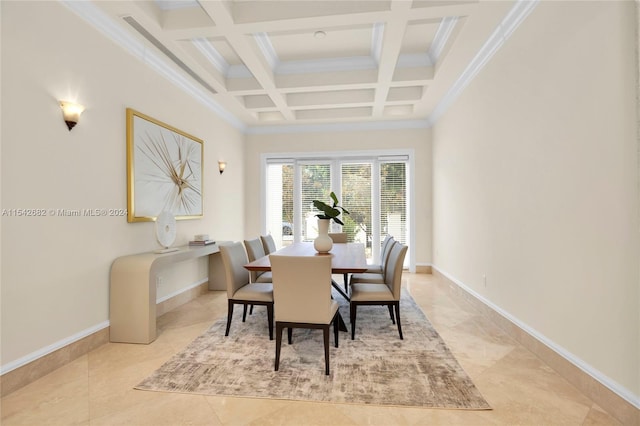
[259, 61]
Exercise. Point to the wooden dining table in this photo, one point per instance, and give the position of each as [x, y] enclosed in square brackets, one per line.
[346, 258]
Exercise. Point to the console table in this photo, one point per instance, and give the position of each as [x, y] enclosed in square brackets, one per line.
[132, 301]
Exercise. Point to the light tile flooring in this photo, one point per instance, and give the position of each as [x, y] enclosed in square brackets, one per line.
[97, 388]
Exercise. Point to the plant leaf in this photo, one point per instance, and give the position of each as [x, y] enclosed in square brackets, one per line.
[334, 198]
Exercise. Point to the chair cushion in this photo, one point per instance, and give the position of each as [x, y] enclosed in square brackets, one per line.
[367, 277]
[370, 292]
[265, 277]
[260, 292]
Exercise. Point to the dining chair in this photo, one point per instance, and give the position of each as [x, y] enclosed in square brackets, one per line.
[268, 243]
[372, 275]
[341, 237]
[302, 298]
[377, 269]
[387, 293]
[240, 290]
[255, 250]
[338, 237]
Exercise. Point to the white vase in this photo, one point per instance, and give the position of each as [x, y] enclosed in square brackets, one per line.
[323, 242]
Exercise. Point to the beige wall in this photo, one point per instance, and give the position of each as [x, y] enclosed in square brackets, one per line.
[537, 190]
[55, 270]
[418, 140]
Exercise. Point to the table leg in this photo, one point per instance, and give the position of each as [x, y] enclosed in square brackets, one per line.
[340, 290]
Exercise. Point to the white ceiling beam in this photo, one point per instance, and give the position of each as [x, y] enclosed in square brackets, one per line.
[326, 21]
[391, 46]
[246, 48]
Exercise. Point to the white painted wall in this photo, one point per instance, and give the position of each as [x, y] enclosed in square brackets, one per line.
[536, 185]
[55, 270]
[418, 140]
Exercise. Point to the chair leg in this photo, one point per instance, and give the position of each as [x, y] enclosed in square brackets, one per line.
[346, 283]
[270, 319]
[353, 307]
[325, 332]
[278, 344]
[336, 322]
[244, 313]
[397, 305]
[290, 335]
[229, 316]
[251, 310]
[391, 313]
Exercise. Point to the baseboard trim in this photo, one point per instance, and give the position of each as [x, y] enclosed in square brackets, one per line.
[35, 365]
[615, 399]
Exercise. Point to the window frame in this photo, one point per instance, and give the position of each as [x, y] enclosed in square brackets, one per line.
[336, 158]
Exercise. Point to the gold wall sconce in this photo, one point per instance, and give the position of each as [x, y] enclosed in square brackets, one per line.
[71, 113]
[221, 166]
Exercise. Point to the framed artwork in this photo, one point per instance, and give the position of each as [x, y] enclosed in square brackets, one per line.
[164, 170]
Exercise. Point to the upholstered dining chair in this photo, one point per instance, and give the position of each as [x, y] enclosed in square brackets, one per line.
[373, 275]
[338, 237]
[302, 298]
[240, 290]
[384, 247]
[341, 237]
[387, 293]
[268, 243]
[255, 250]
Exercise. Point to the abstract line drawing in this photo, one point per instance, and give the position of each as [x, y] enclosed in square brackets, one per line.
[164, 170]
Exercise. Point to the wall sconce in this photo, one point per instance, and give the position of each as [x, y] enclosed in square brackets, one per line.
[71, 113]
[221, 166]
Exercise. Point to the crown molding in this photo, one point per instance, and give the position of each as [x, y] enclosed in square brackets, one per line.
[515, 16]
[104, 24]
[338, 127]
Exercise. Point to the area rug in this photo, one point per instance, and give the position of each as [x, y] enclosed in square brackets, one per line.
[375, 368]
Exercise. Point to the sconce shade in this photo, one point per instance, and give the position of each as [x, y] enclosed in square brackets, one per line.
[71, 113]
[221, 166]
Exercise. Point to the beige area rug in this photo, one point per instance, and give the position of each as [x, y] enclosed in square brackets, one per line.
[375, 368]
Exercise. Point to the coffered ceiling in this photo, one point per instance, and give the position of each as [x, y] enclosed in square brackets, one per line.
[264, 64]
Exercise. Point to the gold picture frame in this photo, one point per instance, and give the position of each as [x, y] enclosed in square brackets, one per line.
[164, 170]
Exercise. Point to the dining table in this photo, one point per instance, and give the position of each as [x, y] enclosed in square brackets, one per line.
[346, 258]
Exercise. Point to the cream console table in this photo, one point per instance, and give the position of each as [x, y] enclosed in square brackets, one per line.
[132, 302]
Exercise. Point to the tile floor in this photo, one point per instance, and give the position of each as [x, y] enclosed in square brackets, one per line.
[97, 388]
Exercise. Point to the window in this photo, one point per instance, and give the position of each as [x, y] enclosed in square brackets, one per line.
[372, 188]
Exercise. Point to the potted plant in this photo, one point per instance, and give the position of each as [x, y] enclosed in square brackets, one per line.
[323, 243]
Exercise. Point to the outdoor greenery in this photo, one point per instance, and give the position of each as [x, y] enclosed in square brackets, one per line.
[356, 194]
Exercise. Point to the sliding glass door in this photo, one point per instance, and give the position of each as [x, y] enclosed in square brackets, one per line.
[373, 189]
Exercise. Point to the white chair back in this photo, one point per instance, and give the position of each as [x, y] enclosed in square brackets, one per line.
[255, 250]
[234, 258]
[268, 243]
[302, 288]
[393, 273]
[338, 237]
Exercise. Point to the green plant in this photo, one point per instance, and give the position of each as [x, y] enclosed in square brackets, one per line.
[330, 212]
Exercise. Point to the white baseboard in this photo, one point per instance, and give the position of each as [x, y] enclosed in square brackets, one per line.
[597, 375]
[10, 366]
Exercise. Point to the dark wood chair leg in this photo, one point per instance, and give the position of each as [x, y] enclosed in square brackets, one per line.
[325, 333]
[353, 307]
[251, 310]
[278, 344]
[391, 313]
[270, 319]
[397, 305]
[244, 313]
[336, 327]
[346, 283]
[290, 335]
[229, 316]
